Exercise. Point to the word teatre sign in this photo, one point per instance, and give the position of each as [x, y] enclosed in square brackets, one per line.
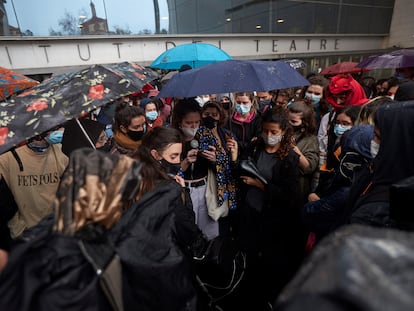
[46, 52]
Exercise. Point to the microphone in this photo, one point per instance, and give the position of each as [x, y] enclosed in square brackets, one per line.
[194, 145]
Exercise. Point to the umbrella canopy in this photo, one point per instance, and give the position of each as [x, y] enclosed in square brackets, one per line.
[12, 82]
[342, 68]
[64, 97]
[192, 54]
[168, 76]
[296, 63]
[396, 59]
[233, 76]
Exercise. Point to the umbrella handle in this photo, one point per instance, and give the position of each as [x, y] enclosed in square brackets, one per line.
[85, 133]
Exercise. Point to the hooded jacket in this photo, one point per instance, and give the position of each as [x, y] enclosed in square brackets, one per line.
[345, 83]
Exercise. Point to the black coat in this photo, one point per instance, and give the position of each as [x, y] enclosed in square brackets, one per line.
[48, 271]
[272, 234]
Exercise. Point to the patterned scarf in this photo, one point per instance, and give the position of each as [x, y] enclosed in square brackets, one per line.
[95, 189]
[226, 183]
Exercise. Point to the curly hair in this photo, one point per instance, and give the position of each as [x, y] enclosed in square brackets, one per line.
[124, 113]
[181, 108]
[279, 115]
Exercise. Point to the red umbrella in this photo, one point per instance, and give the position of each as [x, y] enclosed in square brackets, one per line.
[343, 67]
[12, 82]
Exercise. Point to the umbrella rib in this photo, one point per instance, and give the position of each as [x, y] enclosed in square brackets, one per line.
[85, 133]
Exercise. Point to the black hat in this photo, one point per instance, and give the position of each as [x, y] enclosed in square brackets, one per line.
[74, 137]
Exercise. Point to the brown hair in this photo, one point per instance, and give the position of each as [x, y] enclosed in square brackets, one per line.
[159, 138]
[181, 108]
[220, 109]
[308, 115]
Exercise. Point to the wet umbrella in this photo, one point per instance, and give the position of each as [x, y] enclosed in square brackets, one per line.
[192, 54]
[67, 96]
[12, 82]
[233, 76]
[403, 58]
[168, 76]
[296, 63]
[342, 68]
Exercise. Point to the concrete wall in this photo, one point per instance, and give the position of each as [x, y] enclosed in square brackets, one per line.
[41, 55]
[402, 25]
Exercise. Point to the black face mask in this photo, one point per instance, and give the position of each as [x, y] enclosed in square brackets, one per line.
[298, 128]
[209, 122]
[105, 148]
[264, 103]
[225, 106]
[135, 135]
[171, 168]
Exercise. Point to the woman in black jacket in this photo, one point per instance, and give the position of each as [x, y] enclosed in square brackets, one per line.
[107, 248]
[270, 230]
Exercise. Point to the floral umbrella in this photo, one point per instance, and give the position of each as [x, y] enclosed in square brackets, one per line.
[67, 96]
[12, 82]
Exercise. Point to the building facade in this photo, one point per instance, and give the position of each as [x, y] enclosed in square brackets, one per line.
[319, 32]
[280, 16]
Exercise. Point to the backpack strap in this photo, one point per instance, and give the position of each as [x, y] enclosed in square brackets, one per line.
[19, 161]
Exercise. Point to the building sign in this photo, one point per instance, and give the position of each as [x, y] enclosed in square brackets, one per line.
[37, 55]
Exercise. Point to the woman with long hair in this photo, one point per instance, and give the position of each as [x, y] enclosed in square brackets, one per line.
[220, 148]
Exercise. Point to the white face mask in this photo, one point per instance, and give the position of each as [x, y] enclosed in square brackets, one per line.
[202, 100]
[189, 131]
[374, 148]
[272, 140]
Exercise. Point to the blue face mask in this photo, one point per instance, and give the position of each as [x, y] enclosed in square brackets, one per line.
[339, 129]
[314, 98]
[243, 109]
[151, 115]
[54, 137]
[108, 131]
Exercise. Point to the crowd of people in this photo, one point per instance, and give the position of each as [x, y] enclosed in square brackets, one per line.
[148, 186]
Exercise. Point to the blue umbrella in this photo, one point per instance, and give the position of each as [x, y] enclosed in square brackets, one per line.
[233, 76]
[192, 54]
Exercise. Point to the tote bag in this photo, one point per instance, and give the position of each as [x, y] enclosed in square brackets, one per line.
[214, 211]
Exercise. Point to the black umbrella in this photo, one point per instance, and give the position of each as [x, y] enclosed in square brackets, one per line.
[233, 76]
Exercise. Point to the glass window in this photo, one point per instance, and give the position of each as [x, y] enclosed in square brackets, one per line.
[364, 20]
[102, 17]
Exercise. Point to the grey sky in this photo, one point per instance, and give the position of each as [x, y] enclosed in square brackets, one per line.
[41, 15]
